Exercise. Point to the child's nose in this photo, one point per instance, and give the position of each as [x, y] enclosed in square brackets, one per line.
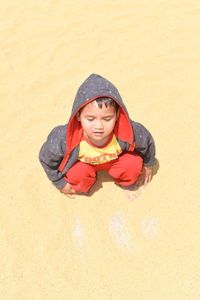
[98, 124]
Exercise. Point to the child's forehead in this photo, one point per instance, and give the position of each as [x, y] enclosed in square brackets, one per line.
[92, 104]
[93, 107]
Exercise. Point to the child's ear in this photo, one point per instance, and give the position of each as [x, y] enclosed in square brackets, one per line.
[117, 113]
[78, 116]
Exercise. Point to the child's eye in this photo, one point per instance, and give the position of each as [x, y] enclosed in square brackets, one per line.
[90, 120]
[107, 119]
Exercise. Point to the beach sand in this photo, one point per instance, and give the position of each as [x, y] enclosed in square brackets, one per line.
[104, 246]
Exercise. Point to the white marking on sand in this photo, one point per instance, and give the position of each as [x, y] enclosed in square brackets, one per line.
[149, 228]
[79, 233]
[117, 227]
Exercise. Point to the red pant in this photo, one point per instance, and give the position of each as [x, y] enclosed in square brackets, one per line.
[125, 171]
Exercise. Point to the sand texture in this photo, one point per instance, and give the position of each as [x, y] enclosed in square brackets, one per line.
[101, 247]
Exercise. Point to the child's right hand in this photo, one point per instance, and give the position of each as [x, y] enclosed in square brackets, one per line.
[68, 191]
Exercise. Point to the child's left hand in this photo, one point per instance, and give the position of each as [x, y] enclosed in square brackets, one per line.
[145, 177]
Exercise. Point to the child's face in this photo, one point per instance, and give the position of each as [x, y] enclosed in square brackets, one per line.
[98, 123]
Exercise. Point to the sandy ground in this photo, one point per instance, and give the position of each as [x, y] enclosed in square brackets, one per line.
[100, 247]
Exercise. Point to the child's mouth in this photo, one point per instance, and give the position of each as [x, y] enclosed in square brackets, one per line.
[98, 133]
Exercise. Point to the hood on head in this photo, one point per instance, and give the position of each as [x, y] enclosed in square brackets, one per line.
[93, 87]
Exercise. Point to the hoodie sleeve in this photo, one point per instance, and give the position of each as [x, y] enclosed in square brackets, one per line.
[52, 153]
[145, 145]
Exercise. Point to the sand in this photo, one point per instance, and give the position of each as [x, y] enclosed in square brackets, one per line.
[104, 246]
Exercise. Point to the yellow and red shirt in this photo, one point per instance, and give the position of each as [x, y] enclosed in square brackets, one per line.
[92, 154]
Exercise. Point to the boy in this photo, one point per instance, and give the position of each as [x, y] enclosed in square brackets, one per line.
[98, 136]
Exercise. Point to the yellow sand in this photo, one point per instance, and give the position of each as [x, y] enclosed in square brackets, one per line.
[100, 247]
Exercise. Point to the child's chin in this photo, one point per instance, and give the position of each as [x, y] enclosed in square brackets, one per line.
[99, 141]
[98, 138]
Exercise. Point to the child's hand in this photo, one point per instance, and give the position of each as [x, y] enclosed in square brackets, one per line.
[145, 177]
[68, 191]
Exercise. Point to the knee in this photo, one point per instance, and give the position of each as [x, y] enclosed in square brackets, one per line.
[130, 164]
[135, 164]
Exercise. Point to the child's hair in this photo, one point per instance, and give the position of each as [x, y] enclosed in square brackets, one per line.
[104, 100]
[107, 101]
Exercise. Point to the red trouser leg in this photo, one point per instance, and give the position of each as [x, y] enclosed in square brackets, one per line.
[81, 176]
[126, 169]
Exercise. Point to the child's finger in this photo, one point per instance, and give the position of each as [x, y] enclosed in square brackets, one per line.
[72, 196]
[147, 180]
